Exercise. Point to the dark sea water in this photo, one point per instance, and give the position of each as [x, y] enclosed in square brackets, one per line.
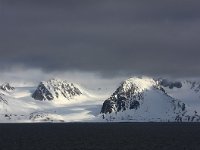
[100, 136]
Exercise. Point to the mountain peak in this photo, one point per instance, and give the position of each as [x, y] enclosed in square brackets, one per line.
[141, 83]
[129, 95]
[56, 89]
[6, 87]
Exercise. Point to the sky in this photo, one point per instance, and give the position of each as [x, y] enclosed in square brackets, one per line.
[109, 39]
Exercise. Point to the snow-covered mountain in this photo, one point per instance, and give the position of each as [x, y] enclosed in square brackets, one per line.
[136, 99]
[145, 99]
[56, 89]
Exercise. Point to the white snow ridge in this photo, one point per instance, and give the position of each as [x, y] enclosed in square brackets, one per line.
[137, 99]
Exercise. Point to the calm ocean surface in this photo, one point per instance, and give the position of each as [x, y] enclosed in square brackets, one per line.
[100, 136]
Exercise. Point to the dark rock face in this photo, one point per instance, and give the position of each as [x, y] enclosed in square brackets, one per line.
[42, 93]
[123, 98]
[6, 87]
[108, 106]
[170, 84]
[53, 89]
[134, 104]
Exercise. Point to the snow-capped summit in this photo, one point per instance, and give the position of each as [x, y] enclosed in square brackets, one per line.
[56, 89]
[6, 87]
[142, 83]
[144, 99]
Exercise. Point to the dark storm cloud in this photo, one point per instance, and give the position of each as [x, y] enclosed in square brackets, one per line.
[145, 37]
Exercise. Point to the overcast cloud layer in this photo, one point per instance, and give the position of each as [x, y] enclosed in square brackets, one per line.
[151, 37]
